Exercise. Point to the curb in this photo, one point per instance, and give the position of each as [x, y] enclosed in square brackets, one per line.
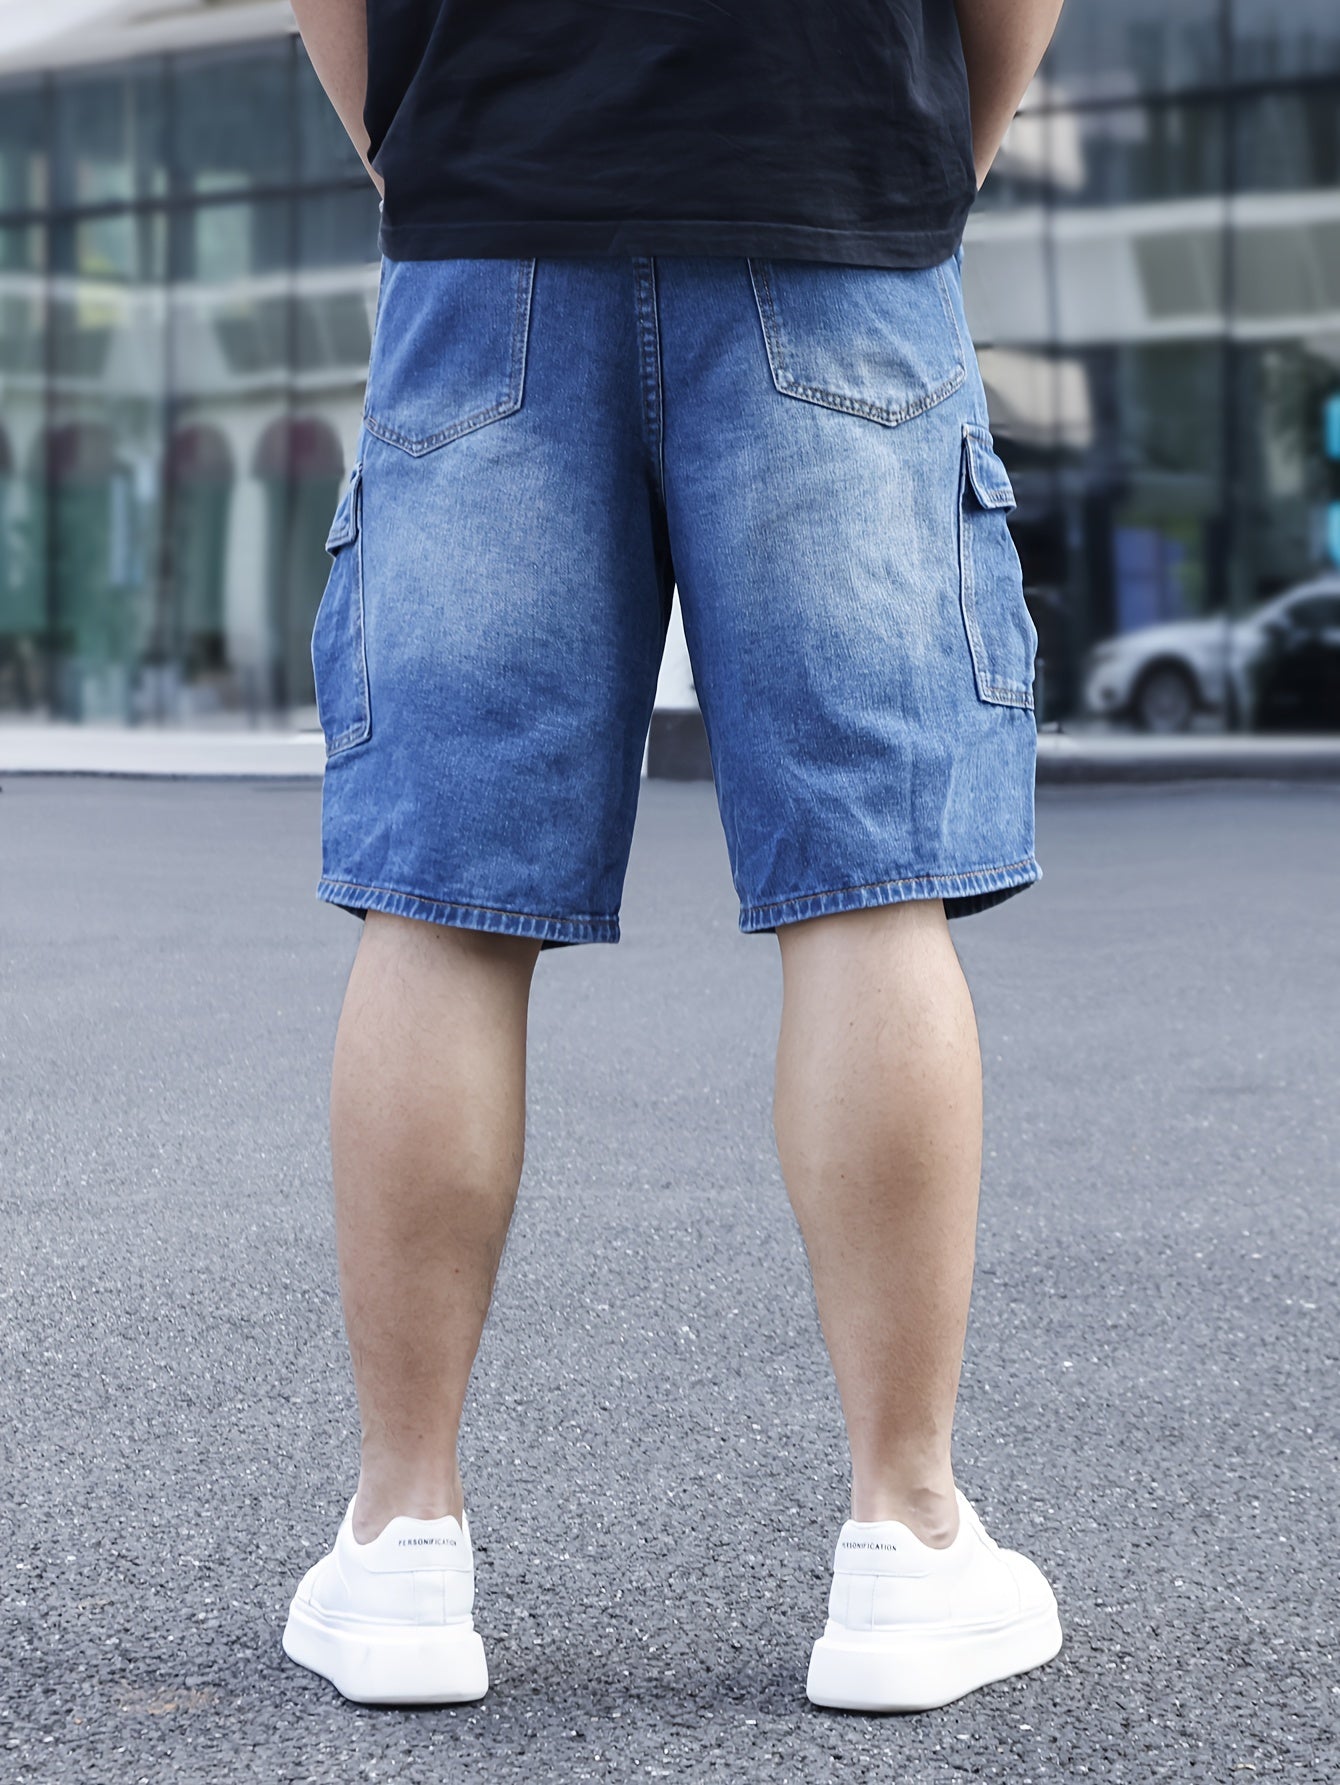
[1066, 759]
[676, 750]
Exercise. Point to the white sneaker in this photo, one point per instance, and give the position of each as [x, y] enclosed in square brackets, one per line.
[389, 1622]
[911, 1627]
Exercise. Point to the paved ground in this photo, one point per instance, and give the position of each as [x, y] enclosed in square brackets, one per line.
[654, 1460]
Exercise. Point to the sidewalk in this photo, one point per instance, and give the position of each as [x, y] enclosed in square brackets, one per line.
[1081, 756]
[1063, 756]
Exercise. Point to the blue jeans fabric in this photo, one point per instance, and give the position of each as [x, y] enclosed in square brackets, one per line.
[548, 448]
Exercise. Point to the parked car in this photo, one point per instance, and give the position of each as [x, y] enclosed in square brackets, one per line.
[1276, 669]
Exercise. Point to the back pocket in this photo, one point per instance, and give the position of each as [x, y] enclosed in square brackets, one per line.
[1002, 638]
[339, 655]
[881, 342]
[449, 349]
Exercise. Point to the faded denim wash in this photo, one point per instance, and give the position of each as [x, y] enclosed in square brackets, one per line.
[549, 447]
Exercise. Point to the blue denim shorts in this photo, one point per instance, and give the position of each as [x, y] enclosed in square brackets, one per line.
[549, 447]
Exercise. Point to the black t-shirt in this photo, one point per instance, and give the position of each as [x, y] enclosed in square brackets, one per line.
[833, 130]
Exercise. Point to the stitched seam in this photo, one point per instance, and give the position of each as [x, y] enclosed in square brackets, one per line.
[345, 533]
[975, 648]
[854, 406]
[983, 486]
[996, 693]
[792, 387]
[525, 284]
[949, 312]
[905, 880]
[361, 729]
[649, 361]
[398, 892]
[418, 445]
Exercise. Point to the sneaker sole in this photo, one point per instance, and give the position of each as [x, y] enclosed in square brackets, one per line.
[442, 1665]
[924, 1669]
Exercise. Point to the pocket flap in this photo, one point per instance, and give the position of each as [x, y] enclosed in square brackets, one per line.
[990, 480]
[344, 527]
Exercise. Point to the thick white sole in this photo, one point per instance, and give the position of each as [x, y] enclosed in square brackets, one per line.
[920, 1670]
[382, 1664]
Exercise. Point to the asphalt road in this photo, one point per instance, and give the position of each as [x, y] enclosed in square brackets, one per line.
[654, 1462]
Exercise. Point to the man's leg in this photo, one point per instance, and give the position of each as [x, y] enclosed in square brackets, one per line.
[878, 1119]
[428, 1116]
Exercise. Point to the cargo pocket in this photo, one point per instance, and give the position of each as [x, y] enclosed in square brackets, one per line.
[1001, 635]
[448, 350]
[339, 656]
[880, 342]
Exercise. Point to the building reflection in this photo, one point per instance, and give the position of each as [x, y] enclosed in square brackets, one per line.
[1153, 278]
[185, 320]
[188, 283]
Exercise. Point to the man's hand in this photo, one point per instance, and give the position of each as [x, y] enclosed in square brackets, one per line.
[335, 33]
[1003, 43]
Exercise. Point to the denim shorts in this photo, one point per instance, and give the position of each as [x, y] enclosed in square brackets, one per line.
[548, 449]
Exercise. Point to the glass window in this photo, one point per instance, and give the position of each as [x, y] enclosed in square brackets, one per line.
[212, 241]
[339, 228]
[324, 149]
[1120, 278]
[1007, 294]
[1315, 612]
[1288, 269]
[267, 397]
[338, 267]
[1020, 175]
[337, 283]
[1287, 142]
[1145, 496]
[1125, 154]
[23, 147]
[1284, 37]
[23, 535]
[1283, 475]
[110, 135]
[103, 452]
[233, 119]
[228, 513]
[1117, 48]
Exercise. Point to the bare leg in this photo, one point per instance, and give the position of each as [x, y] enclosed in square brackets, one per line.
[878, 1119]
[428, 1115]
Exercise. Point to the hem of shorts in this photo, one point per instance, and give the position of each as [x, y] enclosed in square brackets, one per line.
[976, 889]
[354, 896]
[890, 247]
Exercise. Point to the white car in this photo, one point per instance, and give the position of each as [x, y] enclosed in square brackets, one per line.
[1278, 665]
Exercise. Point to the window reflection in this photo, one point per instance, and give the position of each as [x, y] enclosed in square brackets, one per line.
[324, 150]
[1125, 154]
[1287, 484]
[23, 541]
[102, 459]
[233, 120]
[188, 280]
[1271, 39]
[1289, 141]
[110, 135]
[1141, 438]
[231, 332]
[336, 300]
[23, 147]
[1120, 48]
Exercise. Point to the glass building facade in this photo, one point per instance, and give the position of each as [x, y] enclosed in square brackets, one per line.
[188, 281]
[187, 284]
[1153, 276]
